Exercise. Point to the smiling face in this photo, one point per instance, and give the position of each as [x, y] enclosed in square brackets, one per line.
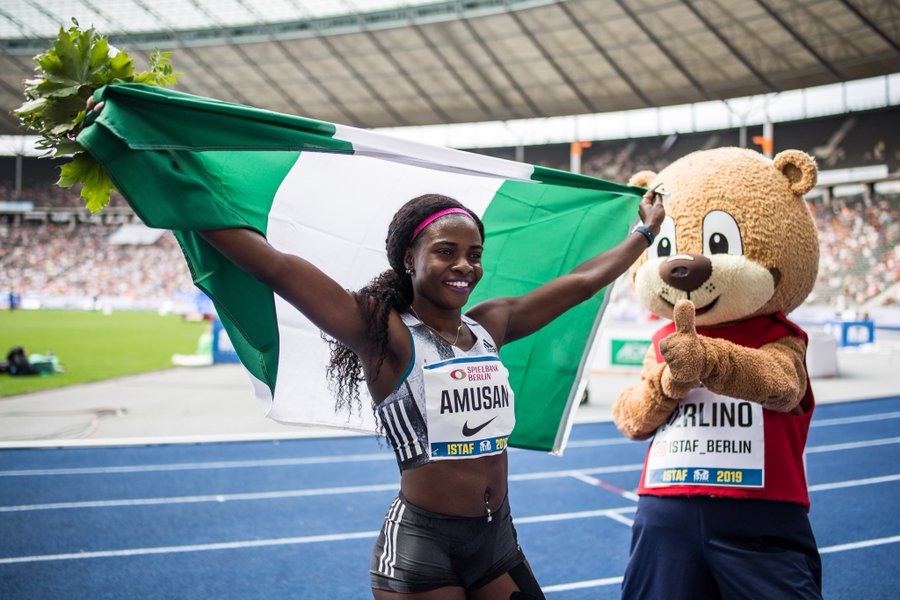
[446, 260]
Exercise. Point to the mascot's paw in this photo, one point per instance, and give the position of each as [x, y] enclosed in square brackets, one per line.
[684, 351]
[675, 389]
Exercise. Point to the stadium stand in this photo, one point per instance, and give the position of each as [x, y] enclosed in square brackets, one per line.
[71, 261]
[74, 264]
[838, 142]
[860, 253]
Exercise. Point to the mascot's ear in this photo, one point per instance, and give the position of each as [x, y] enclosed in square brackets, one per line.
[642, 178]
[800, 169]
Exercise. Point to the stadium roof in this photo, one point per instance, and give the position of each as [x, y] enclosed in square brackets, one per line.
[388, 63]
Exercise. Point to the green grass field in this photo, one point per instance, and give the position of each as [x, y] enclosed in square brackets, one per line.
[92, 346]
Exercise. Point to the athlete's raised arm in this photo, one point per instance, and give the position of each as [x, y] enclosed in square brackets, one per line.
[512, 318]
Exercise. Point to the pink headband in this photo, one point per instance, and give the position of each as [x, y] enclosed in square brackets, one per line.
[438, 215]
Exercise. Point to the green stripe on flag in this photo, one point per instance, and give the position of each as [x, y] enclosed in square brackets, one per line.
[535, 233]
[569, 180]
[189, 163]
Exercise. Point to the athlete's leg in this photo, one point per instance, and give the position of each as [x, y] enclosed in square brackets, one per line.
[517, 584]
[444, 593]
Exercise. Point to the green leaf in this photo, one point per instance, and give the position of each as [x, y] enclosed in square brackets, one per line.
[61, 129]
[66, 148]
[31, 106]
[95, 183]
[79, 62]
[121, 67]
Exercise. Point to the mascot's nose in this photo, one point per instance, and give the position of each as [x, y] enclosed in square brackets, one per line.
[685, 272]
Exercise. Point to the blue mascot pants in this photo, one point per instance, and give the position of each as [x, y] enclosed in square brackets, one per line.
[696, 548]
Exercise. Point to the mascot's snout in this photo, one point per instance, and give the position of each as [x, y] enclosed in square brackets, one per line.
[685, 272]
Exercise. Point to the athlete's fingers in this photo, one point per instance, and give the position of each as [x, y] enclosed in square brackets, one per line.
[93, 105]
[684, 317]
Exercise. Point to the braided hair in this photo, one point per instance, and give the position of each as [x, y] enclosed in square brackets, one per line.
[391, 290]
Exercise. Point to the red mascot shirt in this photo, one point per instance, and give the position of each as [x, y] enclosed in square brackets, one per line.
[716, 446]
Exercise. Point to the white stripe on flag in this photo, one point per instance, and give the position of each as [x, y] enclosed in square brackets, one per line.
[386, 147]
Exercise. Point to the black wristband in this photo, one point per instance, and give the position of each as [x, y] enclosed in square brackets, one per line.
[645, 231]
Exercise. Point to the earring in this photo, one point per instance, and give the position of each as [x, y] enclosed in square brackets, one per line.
[410, 271]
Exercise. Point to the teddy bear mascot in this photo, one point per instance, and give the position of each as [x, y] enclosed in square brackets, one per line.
[724, 390]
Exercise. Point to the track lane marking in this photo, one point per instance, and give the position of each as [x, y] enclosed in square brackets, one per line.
[836, 485]
[308, 539]
[861, 544]
[337, 490]
[580, 474]
[605, 485]
[852, 445]
[387, 456]
[581, 585]
[857, 419]
[592, 583]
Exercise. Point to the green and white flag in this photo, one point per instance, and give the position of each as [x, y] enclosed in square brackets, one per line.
[327, 193]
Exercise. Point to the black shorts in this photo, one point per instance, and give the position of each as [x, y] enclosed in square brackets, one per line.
[419, 550]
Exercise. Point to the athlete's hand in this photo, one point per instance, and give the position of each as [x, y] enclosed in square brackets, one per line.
[93, 105]
[651, 209]
[684, 351]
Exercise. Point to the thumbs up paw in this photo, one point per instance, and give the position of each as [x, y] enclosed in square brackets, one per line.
[683, 350]
[675, 389]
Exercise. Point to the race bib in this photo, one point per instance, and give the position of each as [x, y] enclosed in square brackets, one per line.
[709, 440]
[469, 406]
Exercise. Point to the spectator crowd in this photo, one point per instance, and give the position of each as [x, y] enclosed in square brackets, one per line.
[74, 263]
[75, 266]
[64, 257]
[859, 252]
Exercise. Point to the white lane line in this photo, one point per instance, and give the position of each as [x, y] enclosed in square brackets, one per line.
[580, 474]
[198, 466]
[621, 519]
[853, 483]
[607, 486]
[350, 489]
[580, 585]
[591, 583]
[338, 537]
[857, 419]
[571, 472]
[224, 464]
[592, 443]
[857, 545]
[337, 459]
[309, 539]
[568, 516]
[852, 445]
[274, 495]
[370, 457]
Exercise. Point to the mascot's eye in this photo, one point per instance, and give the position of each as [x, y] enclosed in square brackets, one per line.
[664, 248]
[718, 244]
[664, 245]
[721, 234]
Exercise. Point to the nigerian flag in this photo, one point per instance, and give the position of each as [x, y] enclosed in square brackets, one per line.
[327, 193]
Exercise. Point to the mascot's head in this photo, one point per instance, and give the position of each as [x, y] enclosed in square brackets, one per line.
[738, 239]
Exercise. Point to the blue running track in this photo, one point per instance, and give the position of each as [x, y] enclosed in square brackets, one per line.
[297, 519]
